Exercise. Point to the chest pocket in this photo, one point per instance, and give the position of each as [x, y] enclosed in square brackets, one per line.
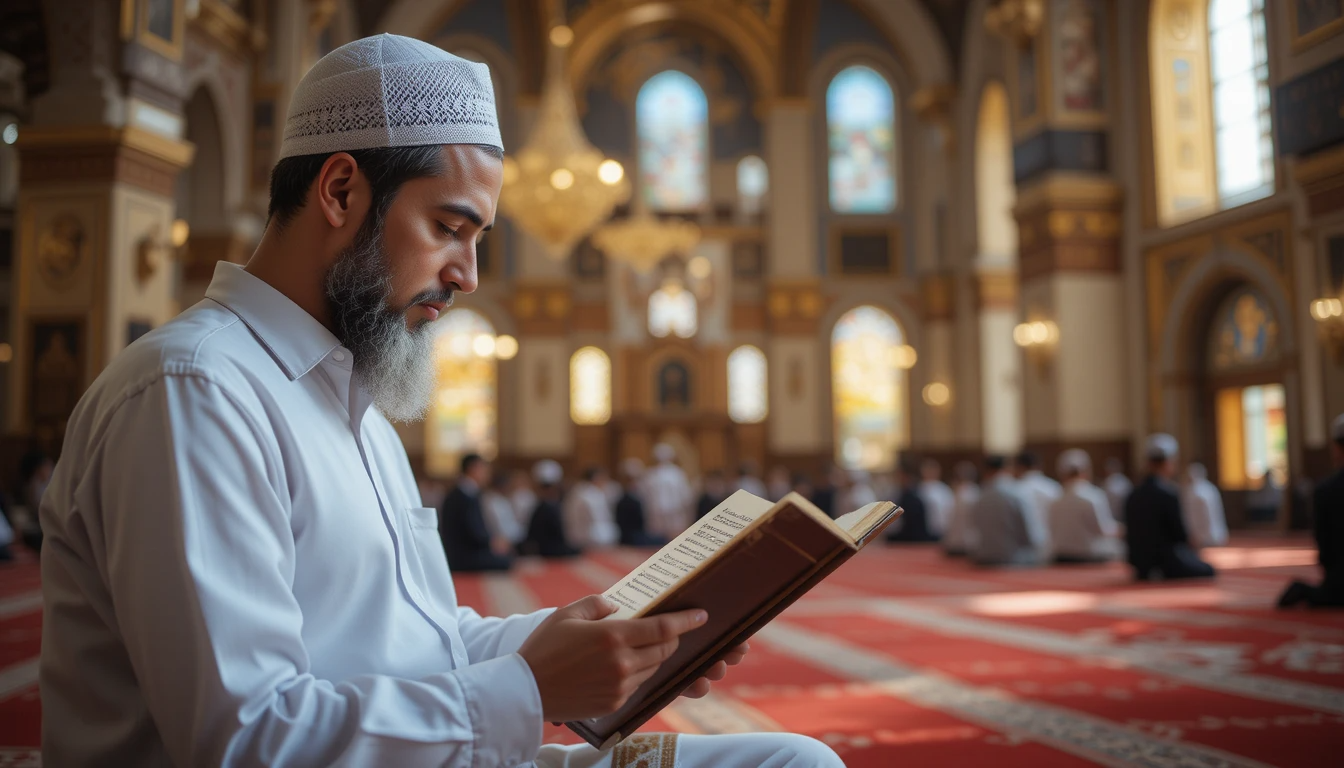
[427, 563]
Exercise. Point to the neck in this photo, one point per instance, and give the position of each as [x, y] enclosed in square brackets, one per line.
[283, 262]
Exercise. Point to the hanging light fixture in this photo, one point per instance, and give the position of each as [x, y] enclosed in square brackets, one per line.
[642, 241]
[558, 187]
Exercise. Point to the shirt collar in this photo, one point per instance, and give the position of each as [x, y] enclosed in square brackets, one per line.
[296, 340]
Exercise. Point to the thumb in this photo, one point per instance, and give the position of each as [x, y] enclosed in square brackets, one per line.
[590, 608]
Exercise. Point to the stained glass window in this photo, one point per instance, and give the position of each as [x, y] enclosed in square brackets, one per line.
[753, 181]
[1239, 62]
[672, 310]
[860, 126]
[671, 114]
[590, 386]
[1244, 331]
[747, 400]
[463, 416]
[867, 385]
[1252, 437]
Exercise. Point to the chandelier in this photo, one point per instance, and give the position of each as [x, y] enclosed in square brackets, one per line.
[643, 241]
[558, 187]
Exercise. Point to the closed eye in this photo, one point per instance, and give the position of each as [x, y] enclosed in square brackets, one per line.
[449, 232]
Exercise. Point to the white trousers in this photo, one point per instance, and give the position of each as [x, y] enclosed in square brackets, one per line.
[670, 750]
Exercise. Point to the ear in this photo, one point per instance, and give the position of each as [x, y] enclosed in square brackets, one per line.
[341, 192]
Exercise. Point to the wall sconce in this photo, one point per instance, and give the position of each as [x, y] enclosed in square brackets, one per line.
[1038, 339]
[937, 394]
[152, 252]
[904, 357]
[1329, 316]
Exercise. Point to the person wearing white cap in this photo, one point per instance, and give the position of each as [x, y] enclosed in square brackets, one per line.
[1155, 536]
[1202, 508]
[965, 492]
[1327, 509]
[667, 494]
[1081, 527]
[938, 498]
[238, 568]
[589, 522]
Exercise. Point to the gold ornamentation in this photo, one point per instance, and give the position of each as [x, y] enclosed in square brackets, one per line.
[643, 241]
[60, 250]
[646, 750]
[1016, 20]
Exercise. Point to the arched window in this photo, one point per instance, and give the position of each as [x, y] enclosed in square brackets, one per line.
[463, 416]
[753, 181]
[747, 400]
[1211, 122]
[672, 310]
[672, 117]
[868, 362]
[590, 386]
[861, 136]
[1251, 420]
[994, 190]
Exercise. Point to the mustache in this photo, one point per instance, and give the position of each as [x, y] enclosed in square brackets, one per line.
[444, 296]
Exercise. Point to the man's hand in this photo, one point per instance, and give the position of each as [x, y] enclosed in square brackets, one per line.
[701, 687]
[588, 668]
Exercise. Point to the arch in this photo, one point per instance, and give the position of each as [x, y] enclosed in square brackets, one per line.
[995, 192]
[869, 392]
[464, 416]
[748, 393]
[590, 386]
[672, 124]
[861, 130]
[917, 38]
[233, 139]
[200, 186]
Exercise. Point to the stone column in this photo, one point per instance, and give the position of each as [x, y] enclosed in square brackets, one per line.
[95, 211]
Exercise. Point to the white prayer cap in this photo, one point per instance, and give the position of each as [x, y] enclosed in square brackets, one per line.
[1073, 462]
[390, 91]
[632, 467]
[664, 452]
[1337, 429]
[1161, 446]
[547, 472]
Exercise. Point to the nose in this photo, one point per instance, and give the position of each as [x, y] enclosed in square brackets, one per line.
[460, 270]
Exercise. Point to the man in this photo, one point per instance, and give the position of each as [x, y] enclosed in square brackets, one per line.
[1081, 527]
[630, 509]
[1327, 507]
[521, 497]
[1038, 491]
[779, 485]
[712, 493]
[1003, 529]
[1154, 533]
[588, 514]
[747, 479]
[914, 523]
[467, 538]
[1202, 508]
[546, 530]
[667, 493]
[1118, 486]
[238, 568]
[826, 495]
[965, 492]
[937, 496]
[499, 514]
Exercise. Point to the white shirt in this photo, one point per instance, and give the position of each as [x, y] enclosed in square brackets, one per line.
[960, 534]
[238, 569]
[1039, 492]
[1081, 524]
[667, 499]
[1202, 512]
[1118, 487]
[753, 485]
[499, 517]
[588, 519]
[1005, 530]
[523, 501]
[938, 503]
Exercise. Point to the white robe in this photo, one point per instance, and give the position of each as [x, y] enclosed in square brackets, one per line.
[1039, 492]
[1081, 525]
[588, 519]
[960, 534]
[938, 503]
[1202, 513]
[667, 499]
[499, 517]
[1006, 530]
[523, 501]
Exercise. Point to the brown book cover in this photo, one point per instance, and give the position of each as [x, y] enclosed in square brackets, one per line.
[745, 579]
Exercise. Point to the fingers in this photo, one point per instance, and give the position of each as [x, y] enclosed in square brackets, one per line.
[699, 689]
[716, 672]
[590, 608]
[660, 629]
[650, 657]
[736, 655]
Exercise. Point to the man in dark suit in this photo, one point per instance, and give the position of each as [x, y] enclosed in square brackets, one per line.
[1328, 509]
[913, 525]
[1155, 534]
[466, 539]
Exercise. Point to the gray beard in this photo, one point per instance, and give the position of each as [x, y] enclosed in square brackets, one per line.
[393, 364]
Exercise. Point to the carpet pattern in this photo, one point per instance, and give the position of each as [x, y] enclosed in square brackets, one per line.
[906, 658]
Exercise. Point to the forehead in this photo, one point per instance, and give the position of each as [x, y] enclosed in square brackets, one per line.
[469, 175]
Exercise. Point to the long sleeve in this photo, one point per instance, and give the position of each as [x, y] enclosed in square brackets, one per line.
[200, 562]
[492, 637]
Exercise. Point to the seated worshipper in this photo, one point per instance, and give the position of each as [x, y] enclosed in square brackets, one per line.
[467, 537]
[802, 485]
[1005, 532]
[937, 497]
[1117, 486]
[521, 497]
[630, 509]
[1202, 508]
[1081, 527]
[499, 515]
[779, 484]
[965, 492]
[546, 529]
[1154, 532]
[1038, 491]
[914, 523]
[748, 481]
[1327, 507]
[238, 569]
[713, 493]
[832, 487]
[35, 470]
[589, 522]
[859, 494]
[666, 492]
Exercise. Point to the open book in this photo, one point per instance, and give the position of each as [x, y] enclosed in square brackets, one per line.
[742, 563]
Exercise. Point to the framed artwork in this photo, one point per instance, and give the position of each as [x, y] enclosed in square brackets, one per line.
[674, 386]
[1315, 20]
[158, 25]
[748, 259]
[1079, 56]
[1028, 92]
[55, 374]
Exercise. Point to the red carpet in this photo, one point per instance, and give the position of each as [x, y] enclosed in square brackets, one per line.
[904, 658]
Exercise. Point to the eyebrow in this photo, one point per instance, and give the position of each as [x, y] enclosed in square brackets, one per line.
[468, 213]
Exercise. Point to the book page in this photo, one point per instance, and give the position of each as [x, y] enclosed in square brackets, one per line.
[685, 553]
[857, 523]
